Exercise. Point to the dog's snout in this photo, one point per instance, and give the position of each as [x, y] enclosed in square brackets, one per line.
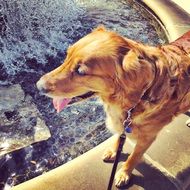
[43, 90]
[42, 87]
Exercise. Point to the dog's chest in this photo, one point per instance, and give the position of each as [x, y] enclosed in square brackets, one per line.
[114, 118]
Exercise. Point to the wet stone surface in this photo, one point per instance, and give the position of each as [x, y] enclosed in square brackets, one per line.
[34, 36]
[21, 123]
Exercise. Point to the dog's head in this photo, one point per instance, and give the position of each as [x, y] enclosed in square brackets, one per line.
[101, 63]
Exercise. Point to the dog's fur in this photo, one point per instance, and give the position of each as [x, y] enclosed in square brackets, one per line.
[124, 73]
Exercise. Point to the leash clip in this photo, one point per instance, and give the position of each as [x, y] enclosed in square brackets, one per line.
[127, 127]
[127, 122]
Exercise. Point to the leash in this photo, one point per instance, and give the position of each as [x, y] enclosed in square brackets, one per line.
[120, 147]
[122, 138]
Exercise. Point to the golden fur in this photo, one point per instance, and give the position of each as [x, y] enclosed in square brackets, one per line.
[124, 73]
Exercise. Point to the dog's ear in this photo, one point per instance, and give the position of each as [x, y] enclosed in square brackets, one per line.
[130, 60]
[139, 56]
[138, 73]
[100, 28]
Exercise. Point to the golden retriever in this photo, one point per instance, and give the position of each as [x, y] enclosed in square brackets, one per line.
[124, 73]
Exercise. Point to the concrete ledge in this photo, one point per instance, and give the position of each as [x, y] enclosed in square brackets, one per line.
[171, 152]
[184, 4]
[173, 17]
[85, 172]
[89, 172]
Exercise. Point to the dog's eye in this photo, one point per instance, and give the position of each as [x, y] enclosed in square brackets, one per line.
[80, 71]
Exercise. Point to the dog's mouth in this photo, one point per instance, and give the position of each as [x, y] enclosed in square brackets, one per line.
[82, 97]
[60, 103]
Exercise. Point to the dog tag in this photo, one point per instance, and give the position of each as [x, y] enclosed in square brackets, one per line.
[126, 125]
[128, 129]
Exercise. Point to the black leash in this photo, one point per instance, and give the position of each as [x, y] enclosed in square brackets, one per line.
[119, 150]
[122, 139]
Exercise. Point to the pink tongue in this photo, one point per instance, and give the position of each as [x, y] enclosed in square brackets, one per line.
[59, 104]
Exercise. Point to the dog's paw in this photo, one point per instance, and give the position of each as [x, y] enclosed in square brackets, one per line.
[188, 123]
[121, 178]
[109, 155]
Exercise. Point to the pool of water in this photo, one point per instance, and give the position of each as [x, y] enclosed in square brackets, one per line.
[33, 38]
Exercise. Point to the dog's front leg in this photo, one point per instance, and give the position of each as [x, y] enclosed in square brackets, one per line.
[110, 153]
[123, 175]
[114, 124]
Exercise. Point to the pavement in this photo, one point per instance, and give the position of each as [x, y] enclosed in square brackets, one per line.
[166, 164]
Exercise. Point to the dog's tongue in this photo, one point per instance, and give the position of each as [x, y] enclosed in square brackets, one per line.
[59, 104]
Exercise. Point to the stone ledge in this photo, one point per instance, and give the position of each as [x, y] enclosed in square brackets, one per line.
[89, 172]
[174, 18]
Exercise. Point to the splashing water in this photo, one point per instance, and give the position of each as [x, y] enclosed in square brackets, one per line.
[33, 29]
[38, 29]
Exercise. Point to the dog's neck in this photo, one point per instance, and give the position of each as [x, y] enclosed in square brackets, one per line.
[125, 96]
[121, 100]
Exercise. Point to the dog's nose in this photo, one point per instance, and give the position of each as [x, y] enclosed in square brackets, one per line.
[43, 90]
[41, 87]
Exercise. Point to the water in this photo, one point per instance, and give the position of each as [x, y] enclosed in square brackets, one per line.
[33, 38]
[34, 31]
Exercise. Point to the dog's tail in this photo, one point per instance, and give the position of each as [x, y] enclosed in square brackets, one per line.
[183, 42]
